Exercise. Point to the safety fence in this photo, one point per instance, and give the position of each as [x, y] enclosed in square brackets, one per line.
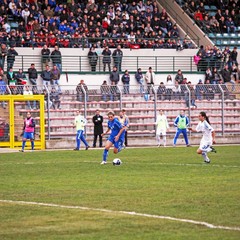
[142, 103]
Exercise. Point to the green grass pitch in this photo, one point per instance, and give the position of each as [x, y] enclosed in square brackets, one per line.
[171, 182]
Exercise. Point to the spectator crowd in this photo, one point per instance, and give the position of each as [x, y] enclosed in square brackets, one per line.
[134, 24]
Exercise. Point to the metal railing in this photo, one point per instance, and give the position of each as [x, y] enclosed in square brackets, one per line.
[160, 64]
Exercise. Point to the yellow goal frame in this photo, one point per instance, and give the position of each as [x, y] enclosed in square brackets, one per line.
[10, 99]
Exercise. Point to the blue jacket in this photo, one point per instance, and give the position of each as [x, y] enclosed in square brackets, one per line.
[3, 87]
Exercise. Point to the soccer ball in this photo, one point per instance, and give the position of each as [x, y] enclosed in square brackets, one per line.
[116, 162]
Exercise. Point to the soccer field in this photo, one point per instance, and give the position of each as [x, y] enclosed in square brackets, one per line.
[157, 193]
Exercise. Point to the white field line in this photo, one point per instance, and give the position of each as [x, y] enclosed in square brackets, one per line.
[127, 163]
[205, 224]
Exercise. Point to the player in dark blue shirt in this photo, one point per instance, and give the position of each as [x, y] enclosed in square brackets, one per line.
[116, 137]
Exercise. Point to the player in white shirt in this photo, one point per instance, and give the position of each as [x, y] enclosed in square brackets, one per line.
[208, 137]
[162, 127]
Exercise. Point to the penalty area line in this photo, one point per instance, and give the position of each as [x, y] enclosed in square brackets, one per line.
[205, 224]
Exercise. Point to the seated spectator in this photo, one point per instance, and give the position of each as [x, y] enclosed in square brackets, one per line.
[55, 99]
[30, 104]
[216, 77]
[226, 75]
[179, 76]
[161, 92]
[199, 90]
[81, 90]
[169, 86]
[177, 93]
[4, 131]
[208, 91]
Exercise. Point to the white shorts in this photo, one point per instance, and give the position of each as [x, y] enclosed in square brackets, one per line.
[204, 145]
[161, 132]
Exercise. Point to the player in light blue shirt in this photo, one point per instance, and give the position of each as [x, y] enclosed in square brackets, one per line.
[115, 138]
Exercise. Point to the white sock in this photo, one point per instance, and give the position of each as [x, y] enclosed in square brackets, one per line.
[164, 140]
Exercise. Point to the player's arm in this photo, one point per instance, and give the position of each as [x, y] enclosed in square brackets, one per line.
[191, 129]
[213, 137]
[120, 132]
[106, 132]
[32, 124]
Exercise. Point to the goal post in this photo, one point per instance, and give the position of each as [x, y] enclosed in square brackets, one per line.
[12, 117]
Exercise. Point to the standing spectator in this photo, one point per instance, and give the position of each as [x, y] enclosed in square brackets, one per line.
[117, 58]
[106, 58]
[162, 127]
[199, 90]
[55, 99]
[3, 88]
[192, 96]
[181, 123]
[12, 82]
[45, 52]
[179, 77]
[126, 82]
[32, 74]
[46, 75]
[56, 77]
[114, 76]
[11, 53]
[98, 128]
[28, 131]
[150, 79]
[93, 58]
[56, 57]
[106, 91]
[235, 72]
[25, 15]
[3, 53]
[169, 86]
[81, 87]
[80, 122]
[139, 79]
[177, 92]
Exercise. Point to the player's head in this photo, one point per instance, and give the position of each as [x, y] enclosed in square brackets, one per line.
[28, 114]
[110, 115]
[161, 112]
[203, 116]
[182, 113]
[78, 112]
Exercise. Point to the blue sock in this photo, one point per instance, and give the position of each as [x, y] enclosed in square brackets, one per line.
[32, 145]
[23, 144]
[105, 155]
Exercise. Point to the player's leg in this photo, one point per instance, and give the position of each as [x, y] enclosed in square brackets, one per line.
[184, 132]
[203, 150]
[119, 145]
[164, 134]
[105, 151]
[176, 136]
[82, 138]
[24, 139]
[32, 141]
[158, 139]
[78, 142]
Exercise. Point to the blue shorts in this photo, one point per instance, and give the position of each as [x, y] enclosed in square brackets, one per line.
[28, 135]
[117, 143]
